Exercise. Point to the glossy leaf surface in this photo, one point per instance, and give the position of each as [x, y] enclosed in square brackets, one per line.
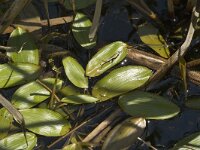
[79, 99]
[80, 29]
[193, 102]
[191, 142]
[17, 73]
[147, 105]
[75, 72]
[106, 58]
[5, 122]
[45, 122]
[79, 4]
[25, 50]
[152, 38]
[124, 134]
[33, 93]
[17, 142]
[120, 81]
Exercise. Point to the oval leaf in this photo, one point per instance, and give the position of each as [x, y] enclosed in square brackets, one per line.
[75, 72]
[79, 4]
[18, 142]
[25, 49]
[79, 99]
[106, 58]
[81, 29]
[33, 93]
[68, 90]
[124, 134]
[120, 81]
[17, 73]
[151, 36]
[190, 142]
[147, 105]
[193, 102]
[45, 122]
[5, 122]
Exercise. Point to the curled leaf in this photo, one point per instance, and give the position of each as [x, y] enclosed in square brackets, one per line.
[120, 81]
[80, 29]
[79, 99]
[147, 105]
[124, 134]
[151, 36]
[106, 58]
[75, 72]
[17, 73]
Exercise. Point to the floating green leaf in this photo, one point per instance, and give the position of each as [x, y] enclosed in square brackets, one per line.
[75, 72]
[124, 134]
[17, 73]
[68, 90]
[191, 142]
[80, 29]
[45, 122]
[74, 146]
[120, 81]
[79, 99]
[193, 102]
[25, 49]
[18, 142]
[5, 122]
[79, 4]
[147, 105]
[106, 58]
[33, 93]
[151, 36]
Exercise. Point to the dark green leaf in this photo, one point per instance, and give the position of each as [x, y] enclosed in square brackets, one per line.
[45, 122]
[124, 134]
[33, 93]
[106, 58]
[151, 36]
[75, 72]
[79, 99]
[5, 122]
[17, 73]
[191, 142]
[25, 49]
[80, 29]
[17, 142]
[193, 102]
[120, 81]
[147, 105]
[79, 4]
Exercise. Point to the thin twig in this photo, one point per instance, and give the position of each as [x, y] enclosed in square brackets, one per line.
[149, 145]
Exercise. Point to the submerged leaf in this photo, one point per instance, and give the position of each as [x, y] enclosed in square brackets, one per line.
[33, 93]
[75, 72]
[147, 105]
[106, 58]
[120, 81]
[79, 99]
[80, 29]
[45, 122]
[25, 49]
[191, 142]
[5, 122]
[17, 73]
[18, 142]
[79, 4]
[124, 134]
[74, 146]
[193, 102]
[151, 36]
